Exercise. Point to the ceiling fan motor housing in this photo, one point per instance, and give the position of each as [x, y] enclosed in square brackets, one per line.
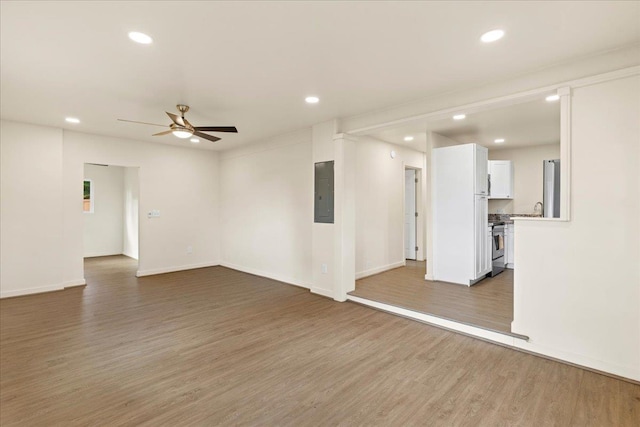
[182, 108]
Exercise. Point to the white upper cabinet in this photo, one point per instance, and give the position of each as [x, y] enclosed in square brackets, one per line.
[481, 155]
[501, 176]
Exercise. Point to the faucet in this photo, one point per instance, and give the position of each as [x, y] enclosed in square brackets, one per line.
[535, 208]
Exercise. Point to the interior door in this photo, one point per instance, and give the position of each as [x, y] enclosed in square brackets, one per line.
[410, 214]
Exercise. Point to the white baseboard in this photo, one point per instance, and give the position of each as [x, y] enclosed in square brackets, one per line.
[530, 346]
[43, 289]
[324, 292]
[29, 291]
[256, 272]
[97, 255]
[372, 271]
[429, 277]
[151, 272]
[631, 372]
[130, 256]
[74, 283]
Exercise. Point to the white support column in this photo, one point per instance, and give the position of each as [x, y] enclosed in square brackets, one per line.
[345, 216]
[324, 269]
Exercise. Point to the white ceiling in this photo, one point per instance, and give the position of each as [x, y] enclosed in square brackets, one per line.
[531, 123]
[251, 64]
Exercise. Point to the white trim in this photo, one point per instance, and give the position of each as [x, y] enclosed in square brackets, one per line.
[439, 321]
[142, 273]
[604, 77]
[43, 289]
[501, 101]
[324, 292]
[74, 283]
[372, 271]
[99, 255]
[256, 272]
[507, 340]
[29, 291]
[565, 153]
[631, 372]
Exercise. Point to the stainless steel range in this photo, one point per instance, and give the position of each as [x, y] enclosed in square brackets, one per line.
[497, 248]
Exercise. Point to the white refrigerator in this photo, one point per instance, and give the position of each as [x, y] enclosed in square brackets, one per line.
[461, 239]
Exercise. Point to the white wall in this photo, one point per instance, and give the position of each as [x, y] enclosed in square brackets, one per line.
[131, 213]
[380, 204]
[41, 204]
[527, 176]
[577, 285]
[266, 195]
[103, 228]
[182, 183]
[438, 140]
[31, 209]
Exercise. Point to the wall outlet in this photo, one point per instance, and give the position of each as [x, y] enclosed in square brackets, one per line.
[323, 268]
[189, 250]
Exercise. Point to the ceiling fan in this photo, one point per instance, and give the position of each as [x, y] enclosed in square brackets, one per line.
[183, 129]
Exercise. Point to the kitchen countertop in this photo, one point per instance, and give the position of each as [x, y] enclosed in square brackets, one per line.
[506, 218]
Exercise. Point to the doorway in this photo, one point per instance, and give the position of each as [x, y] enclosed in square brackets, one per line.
[410, 214]
[110, 212]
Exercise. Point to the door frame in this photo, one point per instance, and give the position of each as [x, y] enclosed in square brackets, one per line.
[420, 209]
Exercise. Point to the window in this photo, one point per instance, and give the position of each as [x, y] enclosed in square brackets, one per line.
[87, 202]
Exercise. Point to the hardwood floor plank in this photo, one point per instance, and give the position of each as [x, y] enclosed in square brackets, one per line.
[215, 346]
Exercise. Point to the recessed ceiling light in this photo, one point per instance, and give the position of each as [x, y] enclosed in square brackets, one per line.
[459, 117]
[312, 99]
[72, 120]
[408, 138]
[491, 36]
[140, 37]
[195, 140]
[552, 98]
[499, 140]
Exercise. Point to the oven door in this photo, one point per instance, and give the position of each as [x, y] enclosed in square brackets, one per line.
[497, 241]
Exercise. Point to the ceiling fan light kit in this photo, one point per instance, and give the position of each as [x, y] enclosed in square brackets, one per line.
[182, 129]
[182, 133]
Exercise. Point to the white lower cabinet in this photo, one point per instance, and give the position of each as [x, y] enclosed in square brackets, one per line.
[508, 245]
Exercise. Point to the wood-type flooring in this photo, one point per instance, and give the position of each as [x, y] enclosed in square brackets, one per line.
[487, 304]
[214, 346]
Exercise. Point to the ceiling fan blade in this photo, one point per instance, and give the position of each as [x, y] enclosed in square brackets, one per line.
[142, 123]
[186, 122]
[176, 119]
[217, 129]
[205, 136]
[163, 133]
